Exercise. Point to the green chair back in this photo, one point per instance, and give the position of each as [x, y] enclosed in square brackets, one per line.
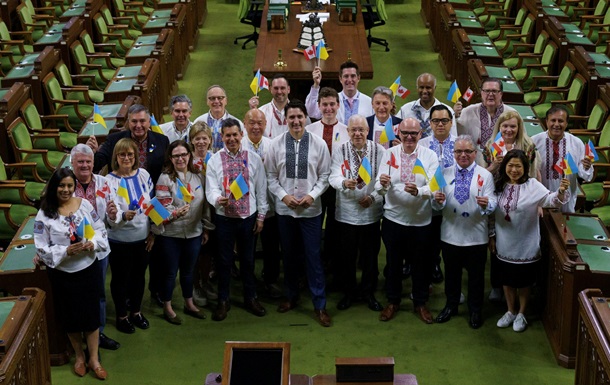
[20, 138]
[597, 116]
[63, 74]
[383, 14]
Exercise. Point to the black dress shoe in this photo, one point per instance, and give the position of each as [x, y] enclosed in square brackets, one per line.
[255, 307]
[286, 306]
[374, 305]
[221, 311]
[140, 321]
[108, 343]
[124, 325]
[437, 274]
[445, 314]
[345, 303]
[476, 320]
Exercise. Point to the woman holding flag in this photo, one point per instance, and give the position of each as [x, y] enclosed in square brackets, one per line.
[68, 233]
[515, 237]
[130, 238]
[181, 190]
[509, 134]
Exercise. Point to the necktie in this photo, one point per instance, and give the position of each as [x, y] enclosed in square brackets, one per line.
[462, 186]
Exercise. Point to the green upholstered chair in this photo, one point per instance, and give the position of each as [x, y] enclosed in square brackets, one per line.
[77, 112]
[492, 13]
[133, 9]
[534, 51]
[598, 32]
[80, 92]
[96, 52]
[11, 217]
[84, 65]
[508, 23]
[109, 35]
[12, 50]
[19, 191]
[510, 36]
[41, 14]
[26, 151]
[41, 124]
[587, 15]
[28, 23]
[572, 98]
[590, 126]
[525, 76]
[594, 190]
[537, 94]
[124, 24]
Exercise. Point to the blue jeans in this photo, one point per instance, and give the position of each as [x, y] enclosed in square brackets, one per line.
[179, 253]
[240, 232]
[292, 230]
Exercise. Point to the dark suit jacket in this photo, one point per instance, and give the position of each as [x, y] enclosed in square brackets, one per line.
[371, 121]
[157, 146]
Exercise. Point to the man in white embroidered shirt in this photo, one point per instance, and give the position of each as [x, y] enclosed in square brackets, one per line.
[217, 101]
[407, 218]
[237, 187]
[298, 166]
[180, 107]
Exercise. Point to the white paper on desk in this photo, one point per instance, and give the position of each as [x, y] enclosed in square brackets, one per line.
[323, 16]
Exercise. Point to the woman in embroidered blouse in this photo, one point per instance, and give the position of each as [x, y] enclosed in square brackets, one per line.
[180, 189]
[65, 244]
[200, 138]
[516, 242]
[130, 238]
[510, 127]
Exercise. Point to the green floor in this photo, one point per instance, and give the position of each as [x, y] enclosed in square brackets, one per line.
[451, 353]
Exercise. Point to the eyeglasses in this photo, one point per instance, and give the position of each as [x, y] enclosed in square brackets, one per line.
[129, 155]
[409, 133]
[460, 152]
[178, 156]
[361, 130]
[493, 92]
[437, 121]
[219, 98]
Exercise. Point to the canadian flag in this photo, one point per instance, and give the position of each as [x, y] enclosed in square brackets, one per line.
[560, 166]
[468, 95]
[402, 92]
[310, 53]
[263, 83]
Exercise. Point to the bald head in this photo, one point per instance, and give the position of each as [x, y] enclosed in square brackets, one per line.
[410, 132]
[255, 123]
[426, 85]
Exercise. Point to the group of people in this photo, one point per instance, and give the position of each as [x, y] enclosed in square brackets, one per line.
[282, 179]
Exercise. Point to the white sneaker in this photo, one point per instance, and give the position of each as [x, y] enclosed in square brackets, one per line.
[520, 323]
[199, 298]
[506, 320]
[462, 298]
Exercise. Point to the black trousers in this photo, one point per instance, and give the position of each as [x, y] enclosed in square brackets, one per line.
[270, 240]
[128, 262]
[364, 240]
[473, 259]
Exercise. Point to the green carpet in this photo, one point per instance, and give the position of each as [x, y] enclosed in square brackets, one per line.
[448, 354]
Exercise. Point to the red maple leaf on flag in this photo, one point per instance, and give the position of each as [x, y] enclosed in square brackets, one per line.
[392, 161]
[402, 92]
[480, 181]
[310, 52]
[468, 94]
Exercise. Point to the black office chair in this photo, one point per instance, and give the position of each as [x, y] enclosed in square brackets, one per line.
[250, 13]
[374, 15]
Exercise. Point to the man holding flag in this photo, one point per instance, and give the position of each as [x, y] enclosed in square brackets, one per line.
[217, 100]
[298, 166]
[355, 166]
[407, 218]
[553, 146]
[237, 188]
[420, 108]
[382, 106]
[466, 202]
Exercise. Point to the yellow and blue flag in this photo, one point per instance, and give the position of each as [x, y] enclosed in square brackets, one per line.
[97, 116]
[182, 192]
[365, 171]
[123, 192]
[239, 187]
[387, 135]
[85, 230]
[454, 92]
[156, 212]
[321, 52]
[418, 168]
[395, 85]
[154, 126]
[438, 180]
[570, 166]
[259, 82]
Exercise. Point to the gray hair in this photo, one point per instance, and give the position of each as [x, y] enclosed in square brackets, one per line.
[180, 99]
[468, 139]
[427, 74]
[81, 149]
[381, 90]
[356, 118]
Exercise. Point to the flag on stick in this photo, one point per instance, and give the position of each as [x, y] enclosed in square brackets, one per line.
[438, 180]
[418, 168]
[156, 211]
[454, 92]
[365, 170]
[154, 126]
[239, 187]
[387, 135]
[259, 82]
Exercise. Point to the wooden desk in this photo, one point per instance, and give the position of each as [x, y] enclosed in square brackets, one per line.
[577, 258]
[115, 116]
[595, 68]
[567, 36]
[341, 38]
[542, 10]
[68, 34]
[330, 379]
[593, 349]
[18, 272]
[10, 101]
[295, 379]
[477, 71]
[24, 350]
